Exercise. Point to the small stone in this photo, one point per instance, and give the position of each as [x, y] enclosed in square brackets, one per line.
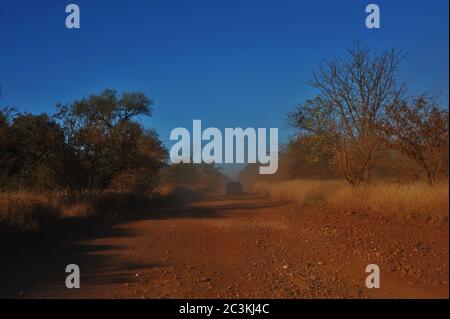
[203, 279]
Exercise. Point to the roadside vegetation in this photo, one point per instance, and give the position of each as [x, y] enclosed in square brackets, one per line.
[91, 159]
[398, 200]
[362, 143]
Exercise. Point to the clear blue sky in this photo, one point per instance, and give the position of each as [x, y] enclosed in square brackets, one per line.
[227, 62]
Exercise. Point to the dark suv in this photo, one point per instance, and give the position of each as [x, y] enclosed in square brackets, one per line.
[234, 188]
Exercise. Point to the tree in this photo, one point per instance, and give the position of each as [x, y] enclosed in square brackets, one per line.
[419, 129]
[353, 94]
[141, 175]
[29, 144]
[309, 157]
[104, 141]
[4, 146]
[5, 143]
[37, 142]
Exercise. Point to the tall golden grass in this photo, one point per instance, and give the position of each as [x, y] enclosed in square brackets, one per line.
[404, 200]
[28, 211]
[25, 211]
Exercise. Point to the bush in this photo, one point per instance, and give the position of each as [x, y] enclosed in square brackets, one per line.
[27, 211]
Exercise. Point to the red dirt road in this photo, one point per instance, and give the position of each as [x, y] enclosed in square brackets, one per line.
[249, 247]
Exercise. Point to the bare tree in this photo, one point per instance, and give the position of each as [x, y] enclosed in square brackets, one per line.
[419, 129]
[353, 95]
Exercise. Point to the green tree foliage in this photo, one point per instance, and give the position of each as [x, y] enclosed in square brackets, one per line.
[105, 142]
[28, 143]
[89, 146]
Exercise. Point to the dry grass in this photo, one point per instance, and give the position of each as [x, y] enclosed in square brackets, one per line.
[399, 199]
[27, 211]
[80, 209]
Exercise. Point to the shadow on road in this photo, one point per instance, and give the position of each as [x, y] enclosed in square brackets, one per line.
[32, 260]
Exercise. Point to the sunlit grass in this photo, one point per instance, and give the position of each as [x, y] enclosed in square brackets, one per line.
[27, 211]
[395, 198]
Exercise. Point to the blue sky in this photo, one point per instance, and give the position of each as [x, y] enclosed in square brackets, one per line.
[229, 63]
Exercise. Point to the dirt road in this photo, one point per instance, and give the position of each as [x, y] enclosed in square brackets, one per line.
[249, 247]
